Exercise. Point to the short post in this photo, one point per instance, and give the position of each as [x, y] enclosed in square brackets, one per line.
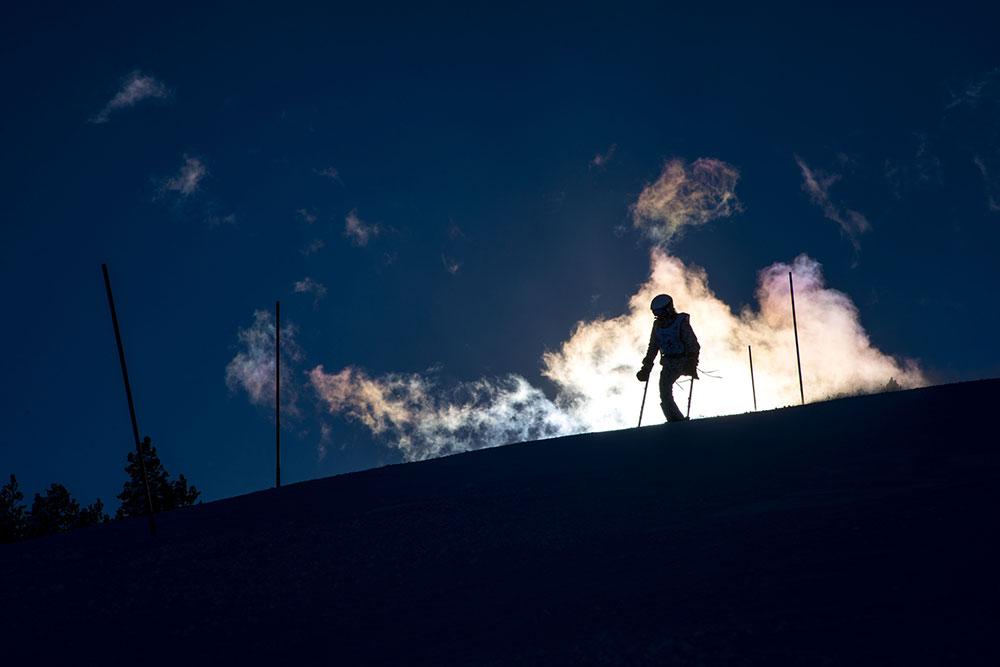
[131, 403]
[753, 387]
[277, 394]
[795, 326]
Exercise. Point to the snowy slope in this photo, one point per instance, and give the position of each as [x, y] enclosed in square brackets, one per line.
[858, 531]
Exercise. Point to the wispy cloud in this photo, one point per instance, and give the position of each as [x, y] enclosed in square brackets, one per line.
[686, 195]
[187, 198]
[188, 179]
[359, 231]
[135, 88]
[817, 185]
[313, 247]
[216, 221]
[601, 160]
[972, 92]
[919, 170]
[252, 369]
[307, 216]
[991, 181]
[450, 264]
[309, 286]
[325, 435]
[331, 173]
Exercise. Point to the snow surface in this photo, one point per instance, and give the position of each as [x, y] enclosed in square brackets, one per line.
[857, 531]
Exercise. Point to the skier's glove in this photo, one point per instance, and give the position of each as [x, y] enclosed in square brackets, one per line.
[643, 374]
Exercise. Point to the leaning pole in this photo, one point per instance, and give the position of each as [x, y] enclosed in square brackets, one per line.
[795, 327]
[131, 403]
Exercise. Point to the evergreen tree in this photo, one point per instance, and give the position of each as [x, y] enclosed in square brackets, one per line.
[55, 512]
[11, 512]
[166, 494]
[93, 514]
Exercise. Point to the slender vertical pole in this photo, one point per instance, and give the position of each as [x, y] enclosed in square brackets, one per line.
[643, 406]
[690, 394]
[131, 403]
[753, 387]
[795, 326]
[277, 394]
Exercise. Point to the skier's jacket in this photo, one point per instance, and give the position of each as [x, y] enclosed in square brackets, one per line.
[674, 339]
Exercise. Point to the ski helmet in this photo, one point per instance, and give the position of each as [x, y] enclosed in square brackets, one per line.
[661, 302]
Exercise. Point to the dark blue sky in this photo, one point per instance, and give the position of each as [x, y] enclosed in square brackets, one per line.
[466, 136]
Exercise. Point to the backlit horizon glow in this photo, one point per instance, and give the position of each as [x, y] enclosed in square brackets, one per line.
[594, 369]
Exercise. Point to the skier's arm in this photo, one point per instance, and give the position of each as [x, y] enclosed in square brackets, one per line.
[651, 351]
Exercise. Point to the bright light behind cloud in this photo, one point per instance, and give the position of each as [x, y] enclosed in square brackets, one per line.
[594, 370]
[597, 364]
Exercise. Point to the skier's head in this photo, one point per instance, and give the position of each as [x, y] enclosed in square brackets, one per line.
[661, 305]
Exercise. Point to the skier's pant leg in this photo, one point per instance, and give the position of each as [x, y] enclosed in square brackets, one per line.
[668, 375]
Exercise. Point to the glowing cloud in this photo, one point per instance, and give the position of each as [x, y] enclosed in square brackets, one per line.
[414, 416]
[135, 88]
[686, 195]
[252, 369]
[594, 370]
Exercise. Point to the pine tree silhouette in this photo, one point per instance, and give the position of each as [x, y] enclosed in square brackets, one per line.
[93, 514]
[11, 512]
[55, 512]
[166, 495]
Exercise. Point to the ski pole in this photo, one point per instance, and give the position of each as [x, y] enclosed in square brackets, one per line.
[690, 394]
[642, 407]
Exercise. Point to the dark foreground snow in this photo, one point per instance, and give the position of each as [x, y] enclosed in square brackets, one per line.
[859, 531]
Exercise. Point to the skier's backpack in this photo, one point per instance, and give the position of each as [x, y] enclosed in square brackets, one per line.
[669, 337]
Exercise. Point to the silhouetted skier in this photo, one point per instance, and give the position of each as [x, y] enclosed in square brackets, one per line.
[674, 339]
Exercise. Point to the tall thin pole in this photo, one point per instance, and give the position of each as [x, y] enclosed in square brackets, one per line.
[643, 406]
[131, 403]
[795, 326]
[753, 387]
[277, 394]
[690, 394]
